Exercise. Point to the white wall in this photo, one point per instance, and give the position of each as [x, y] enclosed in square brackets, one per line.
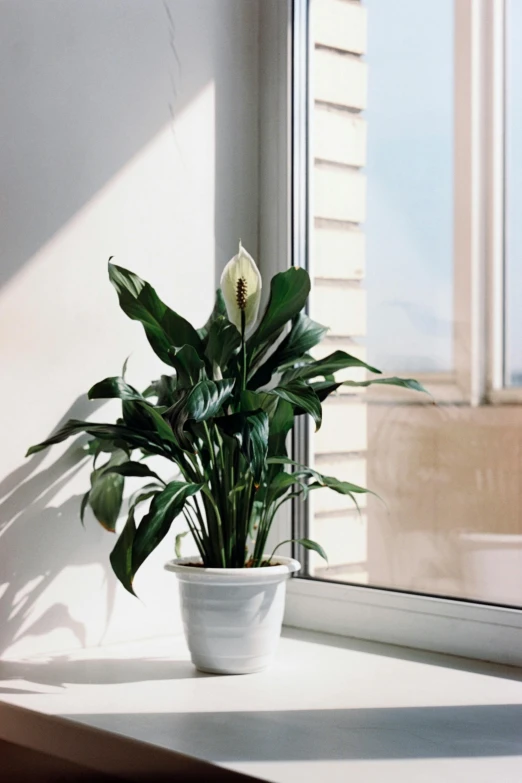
[129, 128]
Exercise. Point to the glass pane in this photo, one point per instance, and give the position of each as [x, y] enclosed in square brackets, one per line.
[514, 192]
[382, 138]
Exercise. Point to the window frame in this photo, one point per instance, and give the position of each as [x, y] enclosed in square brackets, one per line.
[453, 626]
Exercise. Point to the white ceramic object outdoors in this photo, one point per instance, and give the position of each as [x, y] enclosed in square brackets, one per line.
[232, 616]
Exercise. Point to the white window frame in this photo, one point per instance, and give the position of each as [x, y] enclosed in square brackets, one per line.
[458, 627]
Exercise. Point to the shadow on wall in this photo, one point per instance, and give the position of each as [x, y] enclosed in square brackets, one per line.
[85, 86]
[29, 522]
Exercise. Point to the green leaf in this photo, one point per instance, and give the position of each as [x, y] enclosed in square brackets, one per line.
[106, 494]
[164, 327]
[224, 342]
[113, 433]
[164, 389]
[256, 445]
[156, 523]
[339, 360]
[405, 383]
[190, 368]
[302, 397]
[220, 309]
[202, 402]
[177, 543]
[281, 422]
[85, 501]
[137, 469]
[113, 388]
[307, 543]
[303, 336]
[288, 294]
[121, 555]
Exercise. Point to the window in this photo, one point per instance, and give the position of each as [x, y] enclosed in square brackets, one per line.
[408, 231]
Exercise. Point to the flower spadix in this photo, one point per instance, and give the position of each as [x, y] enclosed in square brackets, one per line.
[241, 287]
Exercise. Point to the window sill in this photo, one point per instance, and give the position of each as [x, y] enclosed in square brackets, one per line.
[331, 708]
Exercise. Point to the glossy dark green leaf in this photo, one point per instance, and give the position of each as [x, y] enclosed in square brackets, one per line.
[136, 469]
[339, 360]
[224, 342]
[288, 294]
[164, 389]
[113, 388]
[303, 336]
[257, 443]
[155, 525]
[302, 397]
[202, 402]
[121, 555]
[190, 367]
[164, 327]
[250, 428]
[112, 433]
[281, 422]
[106, 494]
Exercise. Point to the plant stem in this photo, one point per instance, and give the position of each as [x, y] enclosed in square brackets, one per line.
[243, 353]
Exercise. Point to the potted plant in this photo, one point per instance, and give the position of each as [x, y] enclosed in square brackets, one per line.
[221, 416]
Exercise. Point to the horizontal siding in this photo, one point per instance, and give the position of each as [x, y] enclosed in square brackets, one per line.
[339, 136]
[339, 194]
[344, 539]
[338, 252]
[339, 24]
[343, 429]
[342, 309]
[339, 79]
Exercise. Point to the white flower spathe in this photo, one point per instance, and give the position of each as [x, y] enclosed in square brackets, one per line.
[241, 286]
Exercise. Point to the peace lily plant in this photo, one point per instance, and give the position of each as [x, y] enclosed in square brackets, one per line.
[220, 415]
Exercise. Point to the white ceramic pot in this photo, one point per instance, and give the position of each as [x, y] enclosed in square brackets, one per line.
[232, 616]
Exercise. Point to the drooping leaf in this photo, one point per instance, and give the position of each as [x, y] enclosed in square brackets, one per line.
[106, 494]
[121, 555]
[338, 360]
[224, 342]
[325, 388]
[288, 294]
[330, 482]
[164, 327]
[111, 388]
[308, 543]
[112, 433]
[302, 397]
[155, 525]
[137, 469]
[303, 336]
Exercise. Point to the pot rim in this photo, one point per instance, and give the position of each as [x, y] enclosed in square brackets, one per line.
[285, 566]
